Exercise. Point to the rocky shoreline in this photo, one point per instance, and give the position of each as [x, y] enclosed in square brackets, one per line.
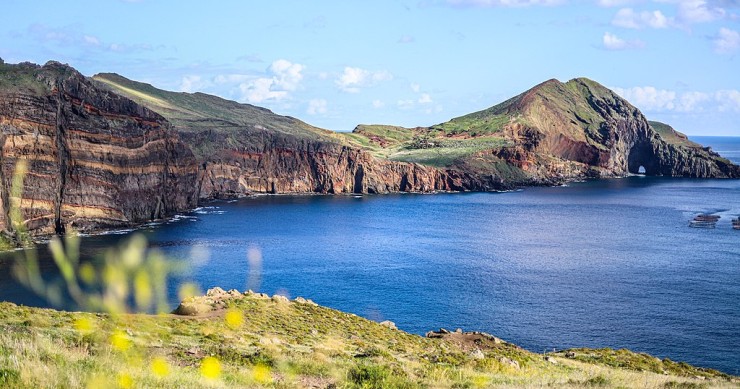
[97, 160]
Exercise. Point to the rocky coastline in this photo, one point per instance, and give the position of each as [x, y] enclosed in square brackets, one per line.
[98, 157]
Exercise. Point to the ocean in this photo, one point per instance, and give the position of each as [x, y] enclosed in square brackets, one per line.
[604, 263]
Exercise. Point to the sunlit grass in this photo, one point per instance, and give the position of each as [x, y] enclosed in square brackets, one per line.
[233, 339]
[288, 345]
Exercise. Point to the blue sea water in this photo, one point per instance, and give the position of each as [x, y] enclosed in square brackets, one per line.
[607, 263]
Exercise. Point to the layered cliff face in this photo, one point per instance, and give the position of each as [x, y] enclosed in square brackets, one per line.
[581, 121]
[274, 163]
[94, 159]
[98, 159]
[552, 133]
[244, 149]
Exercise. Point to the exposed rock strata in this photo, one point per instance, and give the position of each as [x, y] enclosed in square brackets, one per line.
[95, 159]
[580, 129]
[275, 163]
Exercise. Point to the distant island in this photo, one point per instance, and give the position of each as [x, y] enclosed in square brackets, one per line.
[106, 151]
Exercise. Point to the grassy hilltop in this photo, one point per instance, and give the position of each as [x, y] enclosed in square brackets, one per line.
[551, 107]
[252, 340]
[197, 113]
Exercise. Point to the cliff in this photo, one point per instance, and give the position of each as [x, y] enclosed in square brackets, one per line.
[583, 122]
[243, 149]
[95, 159]
[107, 151]
[552, 133]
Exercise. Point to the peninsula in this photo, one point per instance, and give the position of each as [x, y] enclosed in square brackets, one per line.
[108, 152]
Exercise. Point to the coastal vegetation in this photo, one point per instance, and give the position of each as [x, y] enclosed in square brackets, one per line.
[102, 153]
[251, 340]
[128, 339]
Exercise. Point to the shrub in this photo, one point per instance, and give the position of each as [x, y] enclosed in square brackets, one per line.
[369, 376]
[9, 377]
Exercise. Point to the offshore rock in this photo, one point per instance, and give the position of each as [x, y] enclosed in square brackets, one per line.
[95, 159]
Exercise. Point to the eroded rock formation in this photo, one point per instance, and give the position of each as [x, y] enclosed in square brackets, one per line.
[559, 131]
[275, 163]
[95, 159]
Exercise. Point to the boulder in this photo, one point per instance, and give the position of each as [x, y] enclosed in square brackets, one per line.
[477, 354]
[193, 307]
[280, 299]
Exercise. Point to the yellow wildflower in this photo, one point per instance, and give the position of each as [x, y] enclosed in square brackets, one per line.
[234, 318]
[210, 368]
[160, 367]
[119, 341]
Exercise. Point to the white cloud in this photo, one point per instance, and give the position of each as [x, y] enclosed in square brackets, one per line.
[726, 41]
[192, 83]
[316, 106]
[72, 36]
[691, 101]
[261, 90]
[651, 99]
[698, 11]
[503, 3]
[729, 100]
[91, 40]
[406, 39]
[285, 77]
[687, 12]
[378, 104]
[231, 78]
[405, 104]
[613, 42]
[614, 3]
[352, 79]
[629, 18]
[424, 99]
[415, 87]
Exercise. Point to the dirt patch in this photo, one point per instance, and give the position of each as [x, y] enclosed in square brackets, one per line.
[468, 341]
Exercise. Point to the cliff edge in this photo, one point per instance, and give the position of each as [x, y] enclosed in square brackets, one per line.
[94, 159]
[552, 133]
[109, 152]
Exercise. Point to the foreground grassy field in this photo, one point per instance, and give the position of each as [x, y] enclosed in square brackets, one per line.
[229, 339]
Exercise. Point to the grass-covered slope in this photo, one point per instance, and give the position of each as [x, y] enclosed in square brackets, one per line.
[553, 131]
[552, 107]
[419, 145]
[670, 135]
[198, 111]
[196, 114]
[28, 78]
[251, 340]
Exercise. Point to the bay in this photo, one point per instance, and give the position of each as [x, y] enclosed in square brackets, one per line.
[606, 263]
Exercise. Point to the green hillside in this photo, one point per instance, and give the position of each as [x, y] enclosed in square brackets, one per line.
[198, 113]
[549, 107]
[251, 340]
[670, 135]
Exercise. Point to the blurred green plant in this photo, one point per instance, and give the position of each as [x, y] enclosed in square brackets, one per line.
[130, 278]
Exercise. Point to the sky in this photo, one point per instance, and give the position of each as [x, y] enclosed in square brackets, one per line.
[337, 64]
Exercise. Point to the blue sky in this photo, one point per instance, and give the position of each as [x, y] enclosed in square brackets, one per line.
[336, 64]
